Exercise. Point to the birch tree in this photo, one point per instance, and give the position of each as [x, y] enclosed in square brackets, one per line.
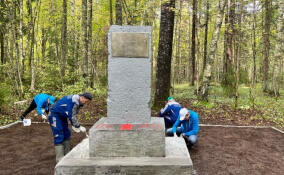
[266, 41]
[278, 54]
[213, 46]
[64, 41]
[85, 41]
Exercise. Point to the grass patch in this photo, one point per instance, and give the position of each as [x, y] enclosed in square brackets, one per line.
[271, 110]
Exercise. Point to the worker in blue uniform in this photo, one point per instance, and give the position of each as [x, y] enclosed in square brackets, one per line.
[40, 101]
[188, 129]
[64, 109]
[170, 112]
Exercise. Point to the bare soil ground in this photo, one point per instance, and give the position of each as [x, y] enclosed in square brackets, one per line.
[219, 150]
[222, 150]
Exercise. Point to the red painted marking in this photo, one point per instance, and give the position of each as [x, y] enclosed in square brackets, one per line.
[146, 125]
[152, 126]
[159, 126]
[141, 126]
[101, 125]
[126, 127]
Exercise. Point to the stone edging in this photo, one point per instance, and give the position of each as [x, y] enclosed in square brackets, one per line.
[235, 126]
[229, 126]
[11, 124]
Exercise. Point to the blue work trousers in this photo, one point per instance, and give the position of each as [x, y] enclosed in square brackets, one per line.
[59, 127]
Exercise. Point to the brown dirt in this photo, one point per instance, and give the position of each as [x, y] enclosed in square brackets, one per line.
[223, 150]
[29, 150]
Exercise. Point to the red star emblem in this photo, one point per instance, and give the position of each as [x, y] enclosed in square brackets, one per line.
[126, 127]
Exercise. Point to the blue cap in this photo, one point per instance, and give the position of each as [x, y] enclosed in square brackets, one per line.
[87, 95]
[51, 99]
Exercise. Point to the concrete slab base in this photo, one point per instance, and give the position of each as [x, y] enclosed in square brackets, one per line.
[177, 161]
[127, 140]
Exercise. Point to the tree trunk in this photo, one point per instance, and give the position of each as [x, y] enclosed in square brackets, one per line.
[189, 68]
[238, 51]
[110, 12]
[278, 54]
[254, 46]
[266, 42]
[178, 54]
[72, 6]
[225, 42]
[43, 43]
[32, 88]
[229, 80]
[64, 41]
[21, 32]
[163, 77]
[194, 7]
[12, 47]
[90, 43]
[18, 63]
[2, 47]
[213, 46]
[85, 41]
[205, 36]
[118, 12]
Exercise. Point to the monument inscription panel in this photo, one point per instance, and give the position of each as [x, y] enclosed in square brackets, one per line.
[131, 45]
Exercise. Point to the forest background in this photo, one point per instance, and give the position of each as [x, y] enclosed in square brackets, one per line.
[222, 58]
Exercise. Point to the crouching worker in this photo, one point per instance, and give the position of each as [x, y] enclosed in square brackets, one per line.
[170, 112]
[63, 109]
[40, 101]
[189, 127]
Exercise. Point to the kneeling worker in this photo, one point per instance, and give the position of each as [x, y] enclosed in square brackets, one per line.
[170, 112]
[189, 127]
[63, 109]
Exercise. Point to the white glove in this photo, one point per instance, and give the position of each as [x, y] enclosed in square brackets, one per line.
[43, 117]
[175, 135]
[82, 129]
[76, 129]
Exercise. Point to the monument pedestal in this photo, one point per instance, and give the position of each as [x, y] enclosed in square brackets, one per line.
[176, 161]
[128, 140]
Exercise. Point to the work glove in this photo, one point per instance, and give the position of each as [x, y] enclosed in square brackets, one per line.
[82, 129]
[77, 130]
[43, 117]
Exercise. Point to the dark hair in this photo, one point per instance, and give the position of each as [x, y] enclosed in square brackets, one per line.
[87, 95]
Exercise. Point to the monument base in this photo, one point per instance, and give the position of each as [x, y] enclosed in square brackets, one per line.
[176, 161]
[127, 140]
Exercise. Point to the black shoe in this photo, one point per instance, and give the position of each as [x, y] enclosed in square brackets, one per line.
[21, 118]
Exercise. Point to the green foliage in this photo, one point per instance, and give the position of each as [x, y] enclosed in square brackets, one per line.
[4, 94]
[244, 76]
[5, 87]
[87, 115]
[207, 105]
[270, 109]
[4, 120]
